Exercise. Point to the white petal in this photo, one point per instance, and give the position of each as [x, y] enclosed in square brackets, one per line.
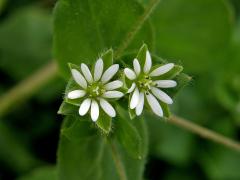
[109, 73]
[140, 105]
[154, 104]
[107, 107]
[113, 85]
[94, 110]
[148, 63]
[131, 88]
[113, 94]
[130, 73]
[98, 69]
[162, 69]
[76, 94]
[78, 77]
[162, 96]
[166, 83]
[136, 66]
[86, 72]
[134, 99]
[84, 107]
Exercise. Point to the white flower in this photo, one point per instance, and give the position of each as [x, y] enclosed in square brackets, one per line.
[145, 84]
[96, 89]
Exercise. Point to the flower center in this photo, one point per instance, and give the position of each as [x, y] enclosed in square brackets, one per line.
[95, 90]
[145, 83]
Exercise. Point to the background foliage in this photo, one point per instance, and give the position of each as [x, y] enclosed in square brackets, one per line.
[201, 35]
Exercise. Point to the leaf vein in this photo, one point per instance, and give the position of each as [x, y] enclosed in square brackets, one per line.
[136, 27]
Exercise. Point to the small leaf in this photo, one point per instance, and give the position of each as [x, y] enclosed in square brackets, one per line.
[127, 134]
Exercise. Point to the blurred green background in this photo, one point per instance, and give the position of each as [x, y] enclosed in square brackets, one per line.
[202, 35]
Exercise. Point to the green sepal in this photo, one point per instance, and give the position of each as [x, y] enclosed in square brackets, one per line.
[68, 109]
[176, 70]
[74, 66]
[128, 134]
[141, 56]
[165, 108]
[131, 113]
[72, 85]
[104, 122]
[182, 80]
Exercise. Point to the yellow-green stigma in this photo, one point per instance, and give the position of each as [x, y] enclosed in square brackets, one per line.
[95, 90]
[145, 83]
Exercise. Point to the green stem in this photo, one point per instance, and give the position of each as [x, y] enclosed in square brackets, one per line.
[117, 161]
[27, 88]
[204, 132]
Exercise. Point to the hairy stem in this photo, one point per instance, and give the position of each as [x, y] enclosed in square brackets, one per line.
[204, 132]
[27, 88]
[117, 161]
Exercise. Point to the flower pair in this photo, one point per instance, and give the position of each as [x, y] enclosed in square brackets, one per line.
[96, 88]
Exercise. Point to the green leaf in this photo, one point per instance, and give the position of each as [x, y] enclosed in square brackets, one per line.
[84, 155]
[91, 157]
[42, 173]
[195, 32]
[82, 29]
[127, 133]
